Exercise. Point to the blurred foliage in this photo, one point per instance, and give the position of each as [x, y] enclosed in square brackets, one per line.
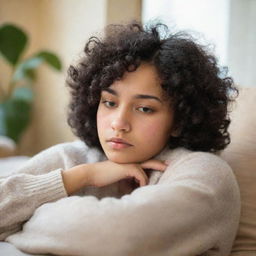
[16, 99]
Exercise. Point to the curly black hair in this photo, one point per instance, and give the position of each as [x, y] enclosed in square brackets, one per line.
[200, 91]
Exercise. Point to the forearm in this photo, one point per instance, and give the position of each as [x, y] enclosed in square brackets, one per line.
[21, 194]
[104, 173]
[76, 178]
[133, 225]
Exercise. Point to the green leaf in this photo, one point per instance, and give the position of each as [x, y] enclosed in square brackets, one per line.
[31, 74]
[2, 121]
[15, 117]
[23, 94]
[26, 69]
[51, 59]
[12, 42]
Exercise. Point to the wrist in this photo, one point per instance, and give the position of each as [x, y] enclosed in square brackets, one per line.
[76, 178]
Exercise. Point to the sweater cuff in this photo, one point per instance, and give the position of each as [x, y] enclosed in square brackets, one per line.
[46, 187]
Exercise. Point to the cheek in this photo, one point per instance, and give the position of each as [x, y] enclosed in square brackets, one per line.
[151, 130]
[158, 130]
[101, 120]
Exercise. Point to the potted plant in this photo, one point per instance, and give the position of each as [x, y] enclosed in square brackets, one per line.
[16, 99]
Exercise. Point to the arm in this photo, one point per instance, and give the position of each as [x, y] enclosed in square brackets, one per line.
[38, 181]
[21, 194]
[195, 207]
[100, 174]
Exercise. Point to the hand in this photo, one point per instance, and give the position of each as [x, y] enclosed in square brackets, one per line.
[105, 173]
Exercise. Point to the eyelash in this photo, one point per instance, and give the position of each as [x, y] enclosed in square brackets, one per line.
[149, 110]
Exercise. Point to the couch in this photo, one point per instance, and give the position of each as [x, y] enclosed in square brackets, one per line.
[241, 156]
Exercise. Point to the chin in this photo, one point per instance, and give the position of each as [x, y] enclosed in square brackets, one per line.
[120, 158]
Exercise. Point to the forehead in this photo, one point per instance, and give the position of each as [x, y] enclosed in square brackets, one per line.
[143, 80]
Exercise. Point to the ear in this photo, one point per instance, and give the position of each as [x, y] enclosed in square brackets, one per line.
[175, 132]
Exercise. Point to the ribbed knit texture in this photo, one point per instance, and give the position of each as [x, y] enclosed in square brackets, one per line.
[21, 194]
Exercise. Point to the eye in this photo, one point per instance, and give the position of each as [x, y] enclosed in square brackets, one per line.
[109, 104]
[146, 110]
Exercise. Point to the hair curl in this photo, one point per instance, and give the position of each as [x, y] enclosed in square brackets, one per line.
[199, 90]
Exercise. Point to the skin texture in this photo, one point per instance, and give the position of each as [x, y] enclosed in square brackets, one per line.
[144, 123]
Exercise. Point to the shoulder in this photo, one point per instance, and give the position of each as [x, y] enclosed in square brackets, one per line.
[205, 174]
[73, 145]
[190, 160]
[205, 161]
[77, 151]
[203, 168]
[208, 164]
[63, 155]
[74, 148]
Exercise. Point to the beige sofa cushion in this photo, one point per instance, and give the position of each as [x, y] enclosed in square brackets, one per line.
[7, 147]
[241, 155]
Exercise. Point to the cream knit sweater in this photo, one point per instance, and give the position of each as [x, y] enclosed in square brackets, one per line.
[191, 209]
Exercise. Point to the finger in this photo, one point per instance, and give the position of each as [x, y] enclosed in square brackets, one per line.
[154, 164]
[141, 177]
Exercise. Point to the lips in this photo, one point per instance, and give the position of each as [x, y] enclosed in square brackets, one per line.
[117, 140]
[117, 143]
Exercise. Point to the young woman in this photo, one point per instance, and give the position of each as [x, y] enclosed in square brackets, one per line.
[151, 110]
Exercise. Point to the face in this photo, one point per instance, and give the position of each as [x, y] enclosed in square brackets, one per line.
[134, 120]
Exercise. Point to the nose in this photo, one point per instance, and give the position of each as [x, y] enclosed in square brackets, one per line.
[121, 122]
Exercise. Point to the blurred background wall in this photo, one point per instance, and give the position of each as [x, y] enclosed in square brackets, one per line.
[229, 25]
[63, 26]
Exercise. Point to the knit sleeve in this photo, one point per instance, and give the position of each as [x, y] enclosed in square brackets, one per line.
[37, 182]
[192, 210]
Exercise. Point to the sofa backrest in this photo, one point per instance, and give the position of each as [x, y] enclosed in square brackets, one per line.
[241, 156]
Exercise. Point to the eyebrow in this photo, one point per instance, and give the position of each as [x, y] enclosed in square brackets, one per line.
[138, 96]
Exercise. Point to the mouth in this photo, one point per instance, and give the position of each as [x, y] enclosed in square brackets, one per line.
[117, 143]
